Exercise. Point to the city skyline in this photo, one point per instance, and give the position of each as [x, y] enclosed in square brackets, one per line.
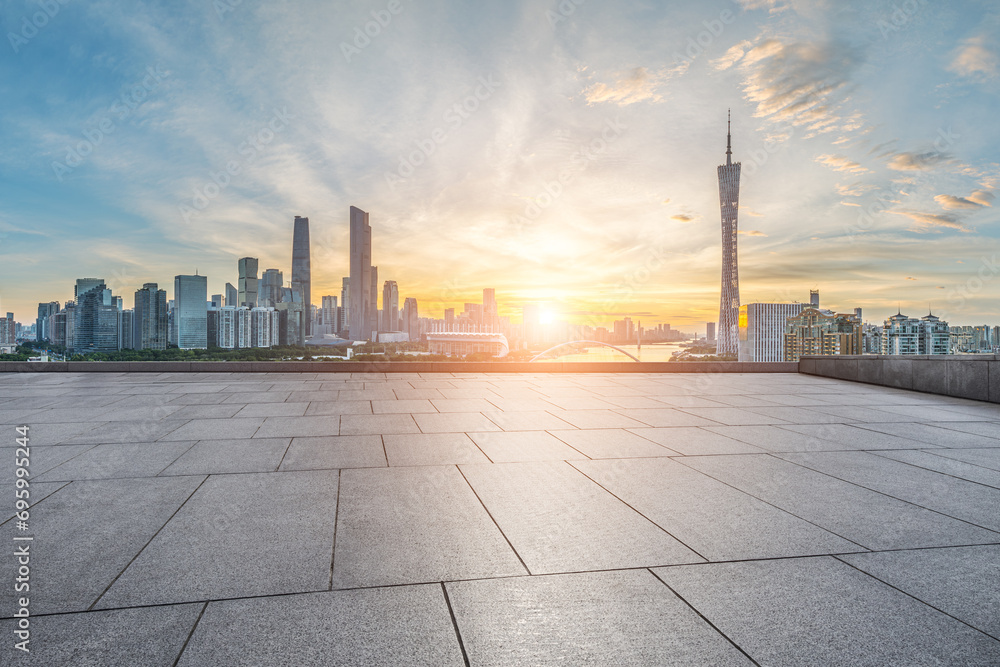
[569, 163]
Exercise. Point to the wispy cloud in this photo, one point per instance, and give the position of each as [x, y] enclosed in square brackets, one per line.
[638, 85]
[682, 217]
[975, 58]
[909, 161]
[935, 222]
[976, 200]
[751, 232]
[842, 163]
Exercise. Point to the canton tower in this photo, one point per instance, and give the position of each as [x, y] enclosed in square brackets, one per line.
[729, 299]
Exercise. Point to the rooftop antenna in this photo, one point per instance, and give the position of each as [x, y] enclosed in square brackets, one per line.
[729, 137]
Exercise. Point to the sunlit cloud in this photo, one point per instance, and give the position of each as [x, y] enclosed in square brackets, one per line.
[841, 163]
[683, 217]
[975, 58]
[751, 232]
[932, 221]
[978, 199]
[918, 161]
[639, 85]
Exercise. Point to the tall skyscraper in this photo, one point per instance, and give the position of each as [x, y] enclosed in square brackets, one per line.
[271, 283]
[491, 318]
[85, 285]
[149, 321]
[390, 306]
[95, 327]
[232, 296]
[45, 311]
[247, 283]
[361, 276]
[345, 300]
[729, 299]
[191, 312]
[411, 318]
[301, 272]
[331, 323]
[373, 307]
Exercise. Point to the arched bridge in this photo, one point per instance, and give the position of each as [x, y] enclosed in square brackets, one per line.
[578, 342]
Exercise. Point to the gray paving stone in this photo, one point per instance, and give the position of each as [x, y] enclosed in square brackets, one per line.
[925, 413]
[415, 525]
[119, 432]
[206, 411]
[819, 611]
[519, 404]
[774, 438]
[403, 625]
[148, 636]
[273, 410]
[41, 435]
[239, 535]
[560, 521]
[798, 415]
[116, 460]
[294, 427]
[346, 451]
[462, 405]
[715, 520]
[987, 458]
[593, 618]
[40, 460]
[870, 519]
[339, 408]
[524, 446]
[422, 449]
[958, 498]
[599, 418]
[664, 417]
[216, 429]
[212, 457]
[377, 424]
[611, 443]
[527, 421]
[948, 466]
[932, 434]
[244, 397]
[987, 429]
[86, 534]
[402, 406]
[454, 422]
[858, 413]
[693, 441]
[961, 581]
[848, 436]
[729, 417]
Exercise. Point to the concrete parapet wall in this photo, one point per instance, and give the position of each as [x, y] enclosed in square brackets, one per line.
[975, 376]
[391, 367]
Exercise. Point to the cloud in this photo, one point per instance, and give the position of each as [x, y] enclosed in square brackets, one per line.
[932, 221]
[908, 161]
[849, 203]
[841, 163]
[750, 212]
[666, 201]
[910, 278]
[853, 190]
[801, 83]
[974, 59]
[976, 200]
[682, 217]
[639, 85]
[732, 56]
[771, 5]
[751, 232]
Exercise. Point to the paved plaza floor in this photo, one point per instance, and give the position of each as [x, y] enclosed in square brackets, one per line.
[499, 519]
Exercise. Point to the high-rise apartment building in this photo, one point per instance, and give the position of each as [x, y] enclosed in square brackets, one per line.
[191, 312]
[329, 312]
[390, 306]
[149, 319]
[935, 337]
[816, 331]
[729, 299]
[301, 267]
[45, 311]
[232, 296]
[269, 292]
[361, 276]
[247, 283]
[762, 330]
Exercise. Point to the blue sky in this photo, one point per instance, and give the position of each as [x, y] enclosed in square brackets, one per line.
[557, 152]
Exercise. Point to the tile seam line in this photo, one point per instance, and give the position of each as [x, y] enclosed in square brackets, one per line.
[947, 474]
[336, 519]
[148, 542]
[626, 504]
[704, 618]
[454, 624]
[187, 640]
[887, 495]
[680, 460]
[914, 597]
[490, 515]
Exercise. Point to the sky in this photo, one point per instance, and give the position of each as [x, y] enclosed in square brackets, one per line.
[561, 152]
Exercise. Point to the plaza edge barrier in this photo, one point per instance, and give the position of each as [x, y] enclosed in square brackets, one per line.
[975, 376]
